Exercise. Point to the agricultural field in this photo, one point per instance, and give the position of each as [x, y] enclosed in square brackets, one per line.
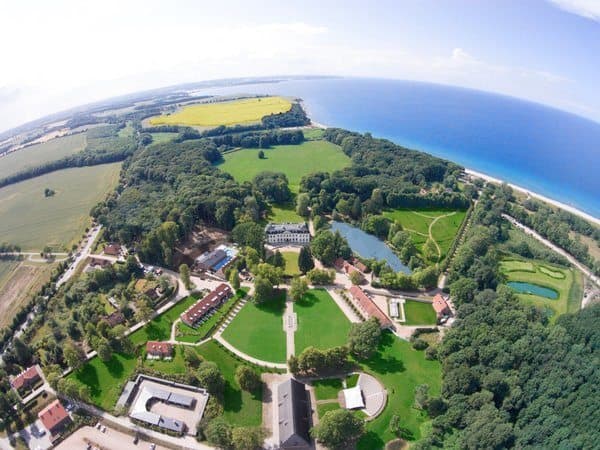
[321, 323]
[291, 263]
[39, 154]
[419, 313]
[249, 330]
[19, 281]
[439, 225]
[565, 282]
[294, 161]
[31, 220]
[400, 368]
[244, 111]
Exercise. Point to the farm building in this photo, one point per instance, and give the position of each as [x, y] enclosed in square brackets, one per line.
[440, 305]
[294, 415]
[202, 307]
[26, 379]
[368, 307]
[287, 233]
[158, 350]
[54, 417]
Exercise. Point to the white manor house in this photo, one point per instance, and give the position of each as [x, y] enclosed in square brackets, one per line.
[287, 233]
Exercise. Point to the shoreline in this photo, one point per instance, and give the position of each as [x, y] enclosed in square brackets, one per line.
[537, 196]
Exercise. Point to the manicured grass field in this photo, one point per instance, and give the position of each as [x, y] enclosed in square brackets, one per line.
[241, 408]
[31, 220]
[400, 368]
[327, 389]
[321, 323]
[245, 111]
[257, 330]
[418, 313]
[442, 225]
[159, 328]
[567, 282]
[294, 161]
[105, 380]
[291, 263]
[284, 213]
[39, 154]
[326, 407]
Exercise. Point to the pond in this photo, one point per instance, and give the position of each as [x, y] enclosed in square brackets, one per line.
[533, 289]
[368, 246]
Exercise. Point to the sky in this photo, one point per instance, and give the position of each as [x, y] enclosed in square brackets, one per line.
[60, 54]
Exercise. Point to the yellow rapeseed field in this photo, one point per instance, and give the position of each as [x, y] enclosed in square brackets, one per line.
[235, 112]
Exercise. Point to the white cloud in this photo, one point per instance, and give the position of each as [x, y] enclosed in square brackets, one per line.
[589, 9]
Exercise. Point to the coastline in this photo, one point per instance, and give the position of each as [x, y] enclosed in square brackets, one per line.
[543, 198]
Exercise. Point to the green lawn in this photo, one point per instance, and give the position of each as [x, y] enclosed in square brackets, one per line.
[321, 323]
[327, 389]
[326, 407]
[417, 223]
[283, 213]
[189, 334]
[158, 138]
[313, 134]
[293, 160]
[567, 282]
[257, 330]
[159, 328]
[291, 263]
[31, 220]
[105, 380]
[241, 408]
[400, 368]
[36, 155]
[418, 313]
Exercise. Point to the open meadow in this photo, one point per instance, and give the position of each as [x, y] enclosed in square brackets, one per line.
[36, 155]
[531, 275]
[244, 111]
[31, 220]
[294, 161]
[257, 330]
[440, 225]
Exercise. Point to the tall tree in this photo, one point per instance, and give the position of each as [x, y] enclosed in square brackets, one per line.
[184, 272]
[234, 279]
[298, 288]
[305, 260]
[364, 338]
[339, 429]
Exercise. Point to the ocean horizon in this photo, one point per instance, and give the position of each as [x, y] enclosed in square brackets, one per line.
[542, 149]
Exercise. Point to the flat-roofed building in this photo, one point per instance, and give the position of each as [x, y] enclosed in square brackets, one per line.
[208, 260]
[293, 406]
[287, 233]
[210, 302]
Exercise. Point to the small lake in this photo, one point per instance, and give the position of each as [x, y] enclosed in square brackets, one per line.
[368, 246]
[534, 289]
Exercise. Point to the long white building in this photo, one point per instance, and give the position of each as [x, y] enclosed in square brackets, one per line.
[287, 233]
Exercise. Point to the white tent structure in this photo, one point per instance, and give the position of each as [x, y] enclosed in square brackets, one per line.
[353, 398]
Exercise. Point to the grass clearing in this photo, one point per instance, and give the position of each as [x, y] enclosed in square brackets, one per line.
[257, 330]
[241, 408]
[444, 225]
[294, 161]
[38, 154]
[313, 134]
[291, 263]
[321, 323]
[244, 111]
[31, 220]
[283, 213]
[159, 138]
[565, 281]
[419, 313]
[327, 389]
[400, 368]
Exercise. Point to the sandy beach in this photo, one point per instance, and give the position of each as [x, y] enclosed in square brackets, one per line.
[550, 201]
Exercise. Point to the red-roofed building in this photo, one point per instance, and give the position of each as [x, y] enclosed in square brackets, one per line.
[359, 265]
[440, 305]
[112, 250]
[369, 308]
[26, 380]
[202, 307]
[54, 417]
[155, 349]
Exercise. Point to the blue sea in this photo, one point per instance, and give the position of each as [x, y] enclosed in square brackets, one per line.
[546, 150]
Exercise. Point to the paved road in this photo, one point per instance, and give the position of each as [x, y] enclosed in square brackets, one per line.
[83, 254]
[557, 249]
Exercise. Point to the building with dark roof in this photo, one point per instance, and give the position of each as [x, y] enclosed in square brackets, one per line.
[54, 417]
[26, 379]
[369, 308]
[209, 260]
[287, 233]
[294, 410]
[202, 307]
[112, 250]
